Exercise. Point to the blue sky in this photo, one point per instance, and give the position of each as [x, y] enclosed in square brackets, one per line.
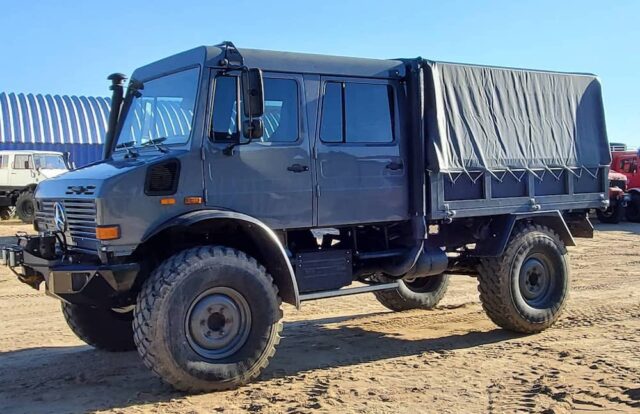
[69, 47]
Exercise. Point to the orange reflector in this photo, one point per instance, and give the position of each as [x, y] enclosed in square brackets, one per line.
[193, 200]
[169, 201]
[107, 232]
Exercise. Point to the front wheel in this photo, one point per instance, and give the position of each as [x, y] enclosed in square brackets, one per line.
[207, 319]
[5, 213]
[612, 215]
[104, 329]
[26, 207]
[419, 293]
[526, 289]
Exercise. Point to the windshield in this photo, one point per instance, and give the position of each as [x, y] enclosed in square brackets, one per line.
[49, 162]
[163, 112]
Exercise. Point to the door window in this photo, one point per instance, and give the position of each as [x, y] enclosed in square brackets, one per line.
[225, 109]
[357, 113]
[4, 161]
[22, 162]
[281, 110]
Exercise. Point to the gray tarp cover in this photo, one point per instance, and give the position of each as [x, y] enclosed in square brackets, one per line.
[487, 118]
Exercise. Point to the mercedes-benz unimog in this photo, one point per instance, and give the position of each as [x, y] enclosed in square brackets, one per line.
[20, 173]
[235, 179]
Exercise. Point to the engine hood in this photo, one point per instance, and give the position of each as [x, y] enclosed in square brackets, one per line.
[91, 180]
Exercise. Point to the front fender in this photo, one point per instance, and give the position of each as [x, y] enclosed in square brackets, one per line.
[274, 256]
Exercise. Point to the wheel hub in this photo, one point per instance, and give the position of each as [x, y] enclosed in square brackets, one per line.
[218, 323]
[534, 280]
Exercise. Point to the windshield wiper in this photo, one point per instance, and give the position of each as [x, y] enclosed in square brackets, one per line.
[128, 146]
[156, 143]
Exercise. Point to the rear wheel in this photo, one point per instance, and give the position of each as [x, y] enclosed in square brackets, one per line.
[26, 207]
[632, 211]
[526, 289]
[208, 318]
[105, 329]
[419, 293]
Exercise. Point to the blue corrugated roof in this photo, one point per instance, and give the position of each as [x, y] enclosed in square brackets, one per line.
[52, 119]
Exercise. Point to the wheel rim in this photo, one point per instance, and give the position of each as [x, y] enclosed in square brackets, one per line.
[422, 284]
[28, 209]
[218, 323]
[537, 280]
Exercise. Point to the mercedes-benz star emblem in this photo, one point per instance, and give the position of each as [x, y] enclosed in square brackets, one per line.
[59, 217]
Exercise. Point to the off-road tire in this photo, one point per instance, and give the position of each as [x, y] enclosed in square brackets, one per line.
[5, 213]
[103, 329]
[501, 280]
[162, 315]
[421, 293]
[26, 207]
[612, 215]
[632, 211]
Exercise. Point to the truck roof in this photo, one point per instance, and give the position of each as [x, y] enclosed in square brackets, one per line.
[4, 152]
[269, 60]
[277, 61]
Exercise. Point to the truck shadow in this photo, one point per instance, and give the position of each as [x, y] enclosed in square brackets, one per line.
[624, 226]
[79, 378]
[8, 240]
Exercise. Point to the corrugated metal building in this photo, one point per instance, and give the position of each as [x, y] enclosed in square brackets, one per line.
[52, 122]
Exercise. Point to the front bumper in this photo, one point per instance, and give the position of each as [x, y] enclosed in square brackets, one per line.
[78, 279]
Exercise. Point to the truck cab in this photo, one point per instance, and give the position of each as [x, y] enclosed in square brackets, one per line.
[20, 172]
[236, 179]
[626, 163]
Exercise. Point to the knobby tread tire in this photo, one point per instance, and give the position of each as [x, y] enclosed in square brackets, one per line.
[103, 329]
[403, 298]
[23, 198]
[632, 212]
[613, 215]
[152, 298]
[495, 285]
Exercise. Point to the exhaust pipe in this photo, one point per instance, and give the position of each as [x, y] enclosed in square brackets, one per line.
[418, 262]
[117, 82]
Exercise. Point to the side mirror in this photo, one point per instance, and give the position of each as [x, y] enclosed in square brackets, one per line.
[252, 93]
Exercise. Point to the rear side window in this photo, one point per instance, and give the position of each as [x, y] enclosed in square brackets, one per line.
[4, 161]
[357, 113]
[22, 162]
[332, 126]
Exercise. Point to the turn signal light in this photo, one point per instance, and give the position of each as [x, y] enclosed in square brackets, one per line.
[107, 232]
[193, 200]
[168, 201]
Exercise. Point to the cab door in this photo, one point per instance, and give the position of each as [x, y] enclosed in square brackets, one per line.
[269, 178]
[22, 172]
[361, 161]
[4, 170]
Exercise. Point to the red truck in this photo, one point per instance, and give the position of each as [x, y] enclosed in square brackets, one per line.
[624, 190]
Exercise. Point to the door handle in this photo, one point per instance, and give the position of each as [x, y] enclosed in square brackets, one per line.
[395, 166]
[297, 168]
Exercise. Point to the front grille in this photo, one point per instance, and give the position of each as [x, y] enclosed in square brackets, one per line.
[81, 220]
[621, 184]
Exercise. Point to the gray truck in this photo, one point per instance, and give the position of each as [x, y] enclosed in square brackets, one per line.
[235, 179]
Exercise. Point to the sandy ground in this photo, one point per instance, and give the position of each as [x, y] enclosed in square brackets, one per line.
[352, 355]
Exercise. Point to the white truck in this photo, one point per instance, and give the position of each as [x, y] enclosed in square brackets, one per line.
[20, 173]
